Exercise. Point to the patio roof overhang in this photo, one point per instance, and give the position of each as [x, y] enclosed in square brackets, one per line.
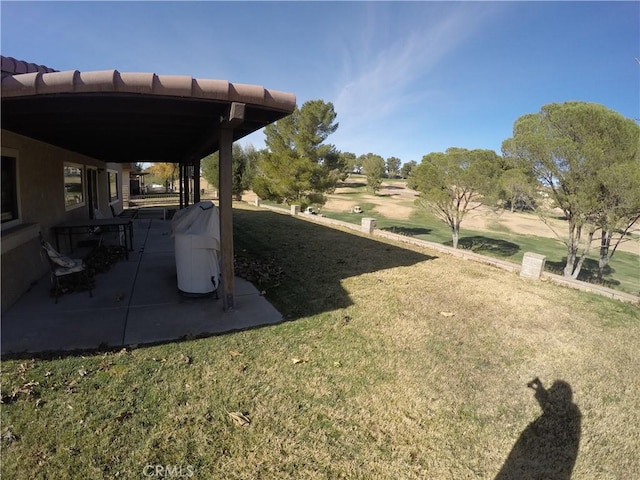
[142, 117]
[134, 117]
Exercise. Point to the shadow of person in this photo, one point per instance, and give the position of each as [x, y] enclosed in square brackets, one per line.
[548, 447]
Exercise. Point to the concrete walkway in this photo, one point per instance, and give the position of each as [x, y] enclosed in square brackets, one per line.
[135, 303]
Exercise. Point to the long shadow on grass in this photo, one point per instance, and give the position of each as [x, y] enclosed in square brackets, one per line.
[548, 447]
[352, 185]
[588, 272]
[309, 260]
[488, 245]
[410, 231]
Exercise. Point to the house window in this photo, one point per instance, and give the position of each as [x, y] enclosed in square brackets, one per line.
[113, 186]
[73, 185]
[9, 189]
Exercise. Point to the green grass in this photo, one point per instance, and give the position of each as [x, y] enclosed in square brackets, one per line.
[623, 274]
[395, 363]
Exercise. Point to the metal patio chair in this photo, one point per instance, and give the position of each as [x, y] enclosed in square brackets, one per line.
[64, 269]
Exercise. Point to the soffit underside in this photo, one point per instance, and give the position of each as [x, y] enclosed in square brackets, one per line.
[124, 127]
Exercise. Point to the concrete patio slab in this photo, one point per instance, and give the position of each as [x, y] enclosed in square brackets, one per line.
[135, 303]
[181, 316]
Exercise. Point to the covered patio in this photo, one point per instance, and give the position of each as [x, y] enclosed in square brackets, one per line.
[135, 303]
[127, 117]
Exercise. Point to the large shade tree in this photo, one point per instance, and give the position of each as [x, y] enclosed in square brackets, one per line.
[243, 168]
[585, 155]
[393, 167]
[166, 173]
[405, 171]
[374, 168]
[619, 200]
[518, 188]
[297, 166]
[453, 183]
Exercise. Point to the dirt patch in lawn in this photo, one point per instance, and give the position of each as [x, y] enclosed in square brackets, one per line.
[339, 204]
[382, 206]
[394, 210]
[483, 218]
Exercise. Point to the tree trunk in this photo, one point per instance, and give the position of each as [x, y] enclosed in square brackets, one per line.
[603, 261]
[583, 256]
[455, 234]
[572, 248]
[571, 261]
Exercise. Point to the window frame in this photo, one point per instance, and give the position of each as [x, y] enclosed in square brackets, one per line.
[68, 207]
[112, 198]
[13, 154]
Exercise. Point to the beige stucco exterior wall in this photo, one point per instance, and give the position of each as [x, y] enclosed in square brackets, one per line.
[41, 205]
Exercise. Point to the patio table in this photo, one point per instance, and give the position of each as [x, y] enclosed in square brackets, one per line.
[78, 227]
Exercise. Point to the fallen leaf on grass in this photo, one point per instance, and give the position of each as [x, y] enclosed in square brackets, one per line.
[239, 418]
[82, 372]
[234, 353]
[447, 314]
[124, 416]
[71, 386]
[299, 360]
[8, 436]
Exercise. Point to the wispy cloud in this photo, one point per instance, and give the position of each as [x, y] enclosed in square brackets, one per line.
[379, 81]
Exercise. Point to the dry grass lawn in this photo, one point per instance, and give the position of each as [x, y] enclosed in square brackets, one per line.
[395, 363]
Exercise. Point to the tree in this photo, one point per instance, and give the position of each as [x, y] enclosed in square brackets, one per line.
[406, 169]
[569, 147]
[374, 168]
[165, 173]
[453, 183]
[518, 188]
[297, 166]
[619, 201]
[349, 161]
[357, 164]
[393, 167]
[243, 168]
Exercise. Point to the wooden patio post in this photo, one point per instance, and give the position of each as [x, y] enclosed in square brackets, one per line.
[225, 179]
[180, 187]
[196, 180]
[226, 217]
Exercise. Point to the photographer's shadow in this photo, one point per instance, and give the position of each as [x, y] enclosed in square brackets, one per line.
[548, 447]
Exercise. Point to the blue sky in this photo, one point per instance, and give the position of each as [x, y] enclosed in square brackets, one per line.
[406, 78]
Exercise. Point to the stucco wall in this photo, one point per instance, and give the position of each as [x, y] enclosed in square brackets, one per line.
[41, 200]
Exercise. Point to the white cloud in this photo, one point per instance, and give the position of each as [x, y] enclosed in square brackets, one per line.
[377, 83]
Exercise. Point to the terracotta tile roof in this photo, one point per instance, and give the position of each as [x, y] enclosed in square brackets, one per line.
[144, 116]
[12, 66]
[38, 80]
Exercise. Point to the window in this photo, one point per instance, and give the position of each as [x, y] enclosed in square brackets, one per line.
[9, 189]
[73, 185]
[113, 186]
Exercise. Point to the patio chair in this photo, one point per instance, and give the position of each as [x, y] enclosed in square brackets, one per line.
[99, 215]
[63, 269]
